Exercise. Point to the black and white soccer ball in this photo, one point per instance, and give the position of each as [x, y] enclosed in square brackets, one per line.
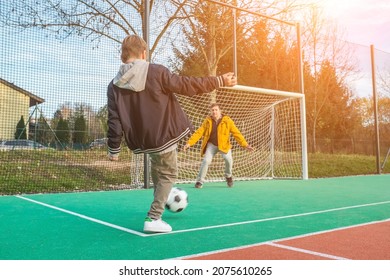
[177, 200]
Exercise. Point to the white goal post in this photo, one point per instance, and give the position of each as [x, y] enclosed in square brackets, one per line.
[272, 121]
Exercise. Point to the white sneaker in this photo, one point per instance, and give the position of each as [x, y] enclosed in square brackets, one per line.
[159, 225]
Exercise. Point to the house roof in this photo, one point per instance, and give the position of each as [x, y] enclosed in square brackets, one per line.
[34, 100]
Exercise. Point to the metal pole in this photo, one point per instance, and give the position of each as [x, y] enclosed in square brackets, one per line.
[248, 11]
[300, 63]
[146, 38]
[235, 41]
[378, 165]
[305, 169]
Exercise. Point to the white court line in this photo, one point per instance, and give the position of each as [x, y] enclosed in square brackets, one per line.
[295, 249]
[280, 217]
[279, 240]
[201, 228]
[84, 217]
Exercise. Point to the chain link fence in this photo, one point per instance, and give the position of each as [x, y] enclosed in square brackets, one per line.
[53, 94]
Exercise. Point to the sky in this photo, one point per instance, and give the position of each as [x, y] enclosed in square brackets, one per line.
[363, 23]
[69, 71]
[366, 22]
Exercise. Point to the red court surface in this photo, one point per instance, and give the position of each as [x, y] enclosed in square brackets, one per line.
[365, 242]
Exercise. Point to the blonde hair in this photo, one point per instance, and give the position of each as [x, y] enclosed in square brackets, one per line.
[132, 46]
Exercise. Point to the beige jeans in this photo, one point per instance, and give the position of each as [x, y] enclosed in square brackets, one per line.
[164, 173]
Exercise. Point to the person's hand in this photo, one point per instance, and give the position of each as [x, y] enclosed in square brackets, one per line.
[249, 148]
[186, 146]
[112, 157]
[229, 79]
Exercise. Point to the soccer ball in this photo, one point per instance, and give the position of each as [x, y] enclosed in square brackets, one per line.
[177, 200]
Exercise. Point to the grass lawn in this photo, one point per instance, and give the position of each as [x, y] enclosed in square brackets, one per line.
[70, 171]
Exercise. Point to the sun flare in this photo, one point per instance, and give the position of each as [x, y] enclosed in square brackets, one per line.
[339, 8]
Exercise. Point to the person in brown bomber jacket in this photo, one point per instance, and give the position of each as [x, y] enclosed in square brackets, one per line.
[143, 108]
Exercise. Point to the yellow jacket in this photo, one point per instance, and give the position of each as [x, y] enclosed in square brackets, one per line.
[225, 127]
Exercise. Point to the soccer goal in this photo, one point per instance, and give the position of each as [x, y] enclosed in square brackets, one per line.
[272, 121]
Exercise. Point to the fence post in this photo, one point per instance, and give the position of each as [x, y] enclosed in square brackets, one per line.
[378, 165]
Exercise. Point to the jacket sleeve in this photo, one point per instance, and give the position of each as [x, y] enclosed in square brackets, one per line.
[114, 133]
[187, 85]
[197, 134]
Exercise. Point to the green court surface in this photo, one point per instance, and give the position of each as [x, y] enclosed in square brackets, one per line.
[108, 225]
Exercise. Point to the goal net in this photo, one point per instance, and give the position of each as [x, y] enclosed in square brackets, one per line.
[271, 121]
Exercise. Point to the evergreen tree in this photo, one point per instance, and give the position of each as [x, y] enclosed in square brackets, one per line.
[43, 135]
[209, 36]
[263, 59]
[21, 132]
[62, 131]
[329, 107]
[80, 135]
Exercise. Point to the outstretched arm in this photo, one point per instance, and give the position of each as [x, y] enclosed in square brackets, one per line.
[239, 137]
[195, 137]
[191, 85]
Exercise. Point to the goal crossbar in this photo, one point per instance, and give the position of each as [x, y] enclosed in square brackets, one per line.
[266, 91]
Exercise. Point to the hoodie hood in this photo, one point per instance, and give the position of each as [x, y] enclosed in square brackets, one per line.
[132, 75]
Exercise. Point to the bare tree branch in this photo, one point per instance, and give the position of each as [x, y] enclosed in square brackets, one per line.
[91, 19]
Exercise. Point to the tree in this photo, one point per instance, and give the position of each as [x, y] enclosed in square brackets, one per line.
[365, 107]
[80, 135]
[384, 120]
[43, 133]
[384, 103]
[333, 98]
[383, 79]
[102, 117]
[96, 124]
[209, 31]
[94, 20]
[21, 132]
[78, 122]
[327, 64]
[263, 55]
[63, 131]
[60, 123]
[207, 37]
[267, 60]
